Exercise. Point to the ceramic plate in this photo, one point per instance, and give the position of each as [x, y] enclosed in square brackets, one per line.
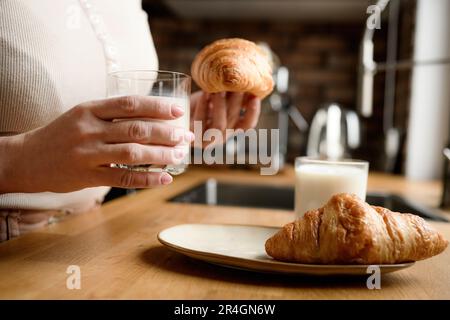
[239, 246]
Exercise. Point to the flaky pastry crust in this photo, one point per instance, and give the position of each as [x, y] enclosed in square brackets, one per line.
[233, 65]
[347, 230]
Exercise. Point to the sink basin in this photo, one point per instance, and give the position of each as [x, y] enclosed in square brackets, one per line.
[213, 192]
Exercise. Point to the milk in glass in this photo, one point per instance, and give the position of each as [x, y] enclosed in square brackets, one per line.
[318, 180]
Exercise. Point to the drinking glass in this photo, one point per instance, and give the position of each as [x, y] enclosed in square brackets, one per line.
[317, 180]
[172, 87]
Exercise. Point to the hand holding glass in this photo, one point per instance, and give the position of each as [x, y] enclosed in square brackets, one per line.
[171, 88]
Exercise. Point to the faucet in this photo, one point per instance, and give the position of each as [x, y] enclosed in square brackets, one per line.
[368, 68]
[445, 203]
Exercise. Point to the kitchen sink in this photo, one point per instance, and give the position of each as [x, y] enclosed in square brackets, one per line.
[213, 192]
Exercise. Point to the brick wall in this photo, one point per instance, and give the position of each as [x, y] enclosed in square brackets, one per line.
[322, 59]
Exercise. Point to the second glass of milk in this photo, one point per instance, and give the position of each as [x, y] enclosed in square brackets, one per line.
[317, 180]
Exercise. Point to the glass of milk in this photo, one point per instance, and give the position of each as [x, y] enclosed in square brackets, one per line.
[172, 87]
[317, 180]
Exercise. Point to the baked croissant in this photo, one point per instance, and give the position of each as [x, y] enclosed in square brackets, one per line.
[234, 65]
[347, 230]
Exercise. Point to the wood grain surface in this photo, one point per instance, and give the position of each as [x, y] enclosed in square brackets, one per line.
[120, 258]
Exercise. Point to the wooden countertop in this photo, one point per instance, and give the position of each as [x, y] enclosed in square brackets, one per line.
[120, 257]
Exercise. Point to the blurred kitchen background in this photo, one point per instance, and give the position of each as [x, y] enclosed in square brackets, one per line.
[403, 122]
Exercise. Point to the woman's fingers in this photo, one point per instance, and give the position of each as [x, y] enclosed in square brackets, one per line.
[123, 178]
[201, 109]
[135, 107]
[219, 111]
[252, 111]
[235, 100]
[145, 132]
[138, 154]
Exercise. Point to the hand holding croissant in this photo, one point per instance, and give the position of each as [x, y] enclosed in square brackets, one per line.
[234, 74]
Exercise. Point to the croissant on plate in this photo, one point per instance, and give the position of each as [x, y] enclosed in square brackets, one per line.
[347, 230]
[234, 65]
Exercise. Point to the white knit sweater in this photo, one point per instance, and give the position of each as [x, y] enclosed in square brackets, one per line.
[51, 60]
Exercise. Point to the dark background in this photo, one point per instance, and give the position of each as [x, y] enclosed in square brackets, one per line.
[322, 58]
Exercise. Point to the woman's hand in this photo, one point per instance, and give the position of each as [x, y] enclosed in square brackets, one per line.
[225, 110]
[75, 150]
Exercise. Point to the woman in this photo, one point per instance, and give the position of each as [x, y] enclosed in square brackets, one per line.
[57, 137]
